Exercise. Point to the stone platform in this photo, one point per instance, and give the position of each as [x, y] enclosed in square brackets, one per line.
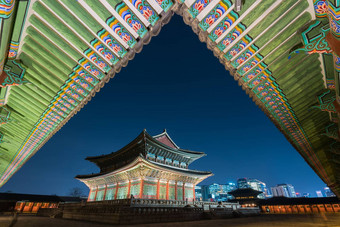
[136, 211]
[265, 220]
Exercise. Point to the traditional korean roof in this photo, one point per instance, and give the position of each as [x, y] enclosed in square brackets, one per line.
[141, 162]
[245, 192]
[144, 144]
[55, 56]
[165, 139]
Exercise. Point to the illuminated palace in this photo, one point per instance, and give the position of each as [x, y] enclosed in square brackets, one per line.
[152, 167]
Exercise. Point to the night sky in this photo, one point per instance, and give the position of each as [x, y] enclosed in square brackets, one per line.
[174, 83]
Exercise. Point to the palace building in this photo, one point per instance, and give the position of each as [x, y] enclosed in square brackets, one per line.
[149, 167]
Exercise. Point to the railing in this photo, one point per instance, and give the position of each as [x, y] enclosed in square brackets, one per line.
[158, 203]
[145, 202]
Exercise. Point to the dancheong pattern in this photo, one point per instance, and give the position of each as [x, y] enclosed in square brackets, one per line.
[250, 64]
[112, 43]
[146, 10]
[131, 19]
[104, 51]
[97, 60]
[198, 6]
[238, 47]
[6, 8]
[334, 18]
[13, 50]
[245, 56]
[215, 14]
[165, 4]
[224, 25]
[121, 31]
[321, 8]
[89, 67]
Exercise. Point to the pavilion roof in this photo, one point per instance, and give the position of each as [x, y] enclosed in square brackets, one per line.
[144, 138]
[56, 55]
[244, 192]
[147, 163]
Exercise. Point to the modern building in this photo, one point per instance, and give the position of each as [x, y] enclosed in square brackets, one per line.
[306, 195]
[319, 194]
[148, 167]
[254, 184]
[283, 190]
[198, 193]
[242, 183]
[259, 186]
[205, 193]
[328, 192]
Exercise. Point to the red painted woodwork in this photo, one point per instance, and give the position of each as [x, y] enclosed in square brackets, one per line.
[95, 196]
[329, 208]
[157, 193]
[301, 209]
[321, 208]
[105, 192]
[117, 186]
[88, 198]
[183, 191]
[336, 207]
[141, 188]
[167, 190]
[129, 190]
[176, 190]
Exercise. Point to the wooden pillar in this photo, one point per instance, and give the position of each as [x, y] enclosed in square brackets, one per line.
[194, 196]
[117, 186]
[95, 196]
[129, 189]
[183, 191]
[176, 190]
[88, 198]
[141, 188]
[167, 190]
[105, 192]
[158, 185]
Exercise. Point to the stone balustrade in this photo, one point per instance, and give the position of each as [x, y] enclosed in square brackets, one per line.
[158, 203]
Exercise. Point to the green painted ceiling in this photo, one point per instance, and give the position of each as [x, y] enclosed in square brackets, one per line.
[57, 54]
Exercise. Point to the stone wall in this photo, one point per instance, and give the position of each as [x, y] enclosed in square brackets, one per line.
[124, 214]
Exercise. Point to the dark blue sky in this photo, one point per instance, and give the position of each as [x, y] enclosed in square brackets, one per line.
[174, 83]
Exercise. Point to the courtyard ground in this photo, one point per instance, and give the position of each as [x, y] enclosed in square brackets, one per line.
[265, 220]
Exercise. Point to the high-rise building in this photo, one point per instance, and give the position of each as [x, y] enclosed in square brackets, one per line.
[283, 190]
[258, 186]
[306, 194]
[242, 183]
[205, 193]
[319, 194]
[230, 186]
[216, 192]
[328, 192]
[254, 184]
[198, 193]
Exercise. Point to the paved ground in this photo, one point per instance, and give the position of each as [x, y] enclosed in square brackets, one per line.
[263, 221]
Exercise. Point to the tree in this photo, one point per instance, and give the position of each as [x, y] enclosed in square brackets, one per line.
[77, 192]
